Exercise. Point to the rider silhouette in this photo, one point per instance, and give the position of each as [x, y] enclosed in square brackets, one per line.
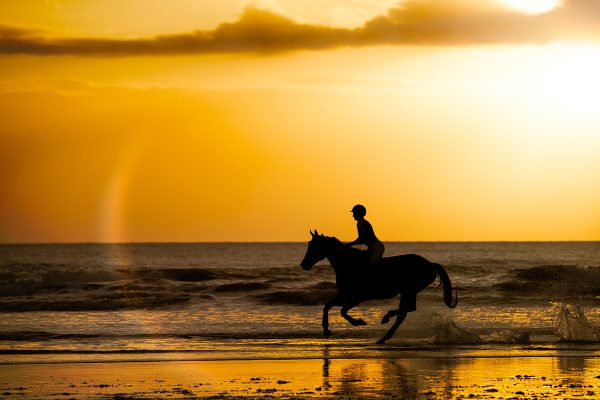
[366, 235]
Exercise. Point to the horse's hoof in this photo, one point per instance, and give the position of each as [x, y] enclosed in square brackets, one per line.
[327, 333]
[380, 341]
[360, 322]
[385, 319]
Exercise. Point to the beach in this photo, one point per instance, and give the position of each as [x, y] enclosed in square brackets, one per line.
[268, 199]
[199, 320]
[399, 377]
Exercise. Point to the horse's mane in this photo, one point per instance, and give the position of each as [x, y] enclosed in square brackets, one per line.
[333, 239]
[338, 242]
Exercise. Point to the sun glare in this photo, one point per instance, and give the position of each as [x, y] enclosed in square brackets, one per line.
[533, 6]
[570, 79]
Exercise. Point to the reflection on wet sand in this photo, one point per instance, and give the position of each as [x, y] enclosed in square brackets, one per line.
[326, 362]
[447, 366]
[565, 376]
[568, 376]
[396, 380]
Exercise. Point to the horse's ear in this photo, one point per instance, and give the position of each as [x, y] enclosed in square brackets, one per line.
[316, 233]
[312, 234]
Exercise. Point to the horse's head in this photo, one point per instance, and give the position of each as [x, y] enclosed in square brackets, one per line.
[317, 250]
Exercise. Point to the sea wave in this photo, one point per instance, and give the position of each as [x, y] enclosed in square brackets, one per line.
[316, 294]
[553, 282]
[26, 280]
[42, 336]
[449, 333]
[241, 287]
[102, 302]
[79, 289]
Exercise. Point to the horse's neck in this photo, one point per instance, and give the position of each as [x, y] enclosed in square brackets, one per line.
[339, 255]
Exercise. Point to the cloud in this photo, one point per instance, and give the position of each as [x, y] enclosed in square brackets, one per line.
[455, 22]
[422, 22]
[255, 31]
[460, 22]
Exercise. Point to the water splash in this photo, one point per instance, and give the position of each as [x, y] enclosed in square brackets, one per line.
[448, 332]
[508, 336]
[572, 325]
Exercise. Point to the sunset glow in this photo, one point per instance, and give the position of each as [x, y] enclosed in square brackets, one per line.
[316, 199]
[261, 123]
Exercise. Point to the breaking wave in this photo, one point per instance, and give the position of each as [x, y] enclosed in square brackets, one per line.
[317, 294]
[554, 282]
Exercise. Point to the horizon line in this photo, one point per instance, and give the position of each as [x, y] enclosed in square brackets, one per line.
[292, 242]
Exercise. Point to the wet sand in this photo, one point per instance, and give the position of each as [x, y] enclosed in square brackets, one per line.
[575, 377]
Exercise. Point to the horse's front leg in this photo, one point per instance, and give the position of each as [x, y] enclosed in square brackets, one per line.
[336, 301]
[347, 307]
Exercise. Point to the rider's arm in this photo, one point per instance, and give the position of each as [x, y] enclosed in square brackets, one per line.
[365, 231]
[359, 240]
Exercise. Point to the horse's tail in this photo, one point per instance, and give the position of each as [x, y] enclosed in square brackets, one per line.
[447, 285]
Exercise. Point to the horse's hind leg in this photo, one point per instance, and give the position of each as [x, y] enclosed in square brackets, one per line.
[408, 302]
[347, 307]
[386, 318]
[392, 330]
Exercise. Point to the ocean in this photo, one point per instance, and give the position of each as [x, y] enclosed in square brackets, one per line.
[64, 303]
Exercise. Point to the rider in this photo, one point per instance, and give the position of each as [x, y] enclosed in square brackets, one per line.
[366, 235]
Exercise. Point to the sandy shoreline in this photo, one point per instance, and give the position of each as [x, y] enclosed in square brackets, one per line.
[427, 378]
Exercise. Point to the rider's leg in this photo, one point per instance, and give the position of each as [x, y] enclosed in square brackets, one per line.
[375, 253]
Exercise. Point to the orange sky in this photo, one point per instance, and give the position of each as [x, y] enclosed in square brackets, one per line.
[199, 121]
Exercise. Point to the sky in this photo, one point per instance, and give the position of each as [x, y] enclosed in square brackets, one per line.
[233, 120]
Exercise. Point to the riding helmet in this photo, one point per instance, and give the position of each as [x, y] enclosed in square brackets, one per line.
[359, 209]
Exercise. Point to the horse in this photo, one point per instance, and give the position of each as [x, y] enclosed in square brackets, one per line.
[403, 275]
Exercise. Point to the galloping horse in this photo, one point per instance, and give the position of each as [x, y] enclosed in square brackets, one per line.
[404, 275]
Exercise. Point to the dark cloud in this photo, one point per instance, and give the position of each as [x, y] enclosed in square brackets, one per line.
[436, 22]
[255, 31]
[456, 22]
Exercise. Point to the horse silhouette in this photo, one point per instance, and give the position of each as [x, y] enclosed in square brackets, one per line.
[404, 275]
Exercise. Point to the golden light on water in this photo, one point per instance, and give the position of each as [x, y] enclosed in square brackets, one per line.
[436, 378]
